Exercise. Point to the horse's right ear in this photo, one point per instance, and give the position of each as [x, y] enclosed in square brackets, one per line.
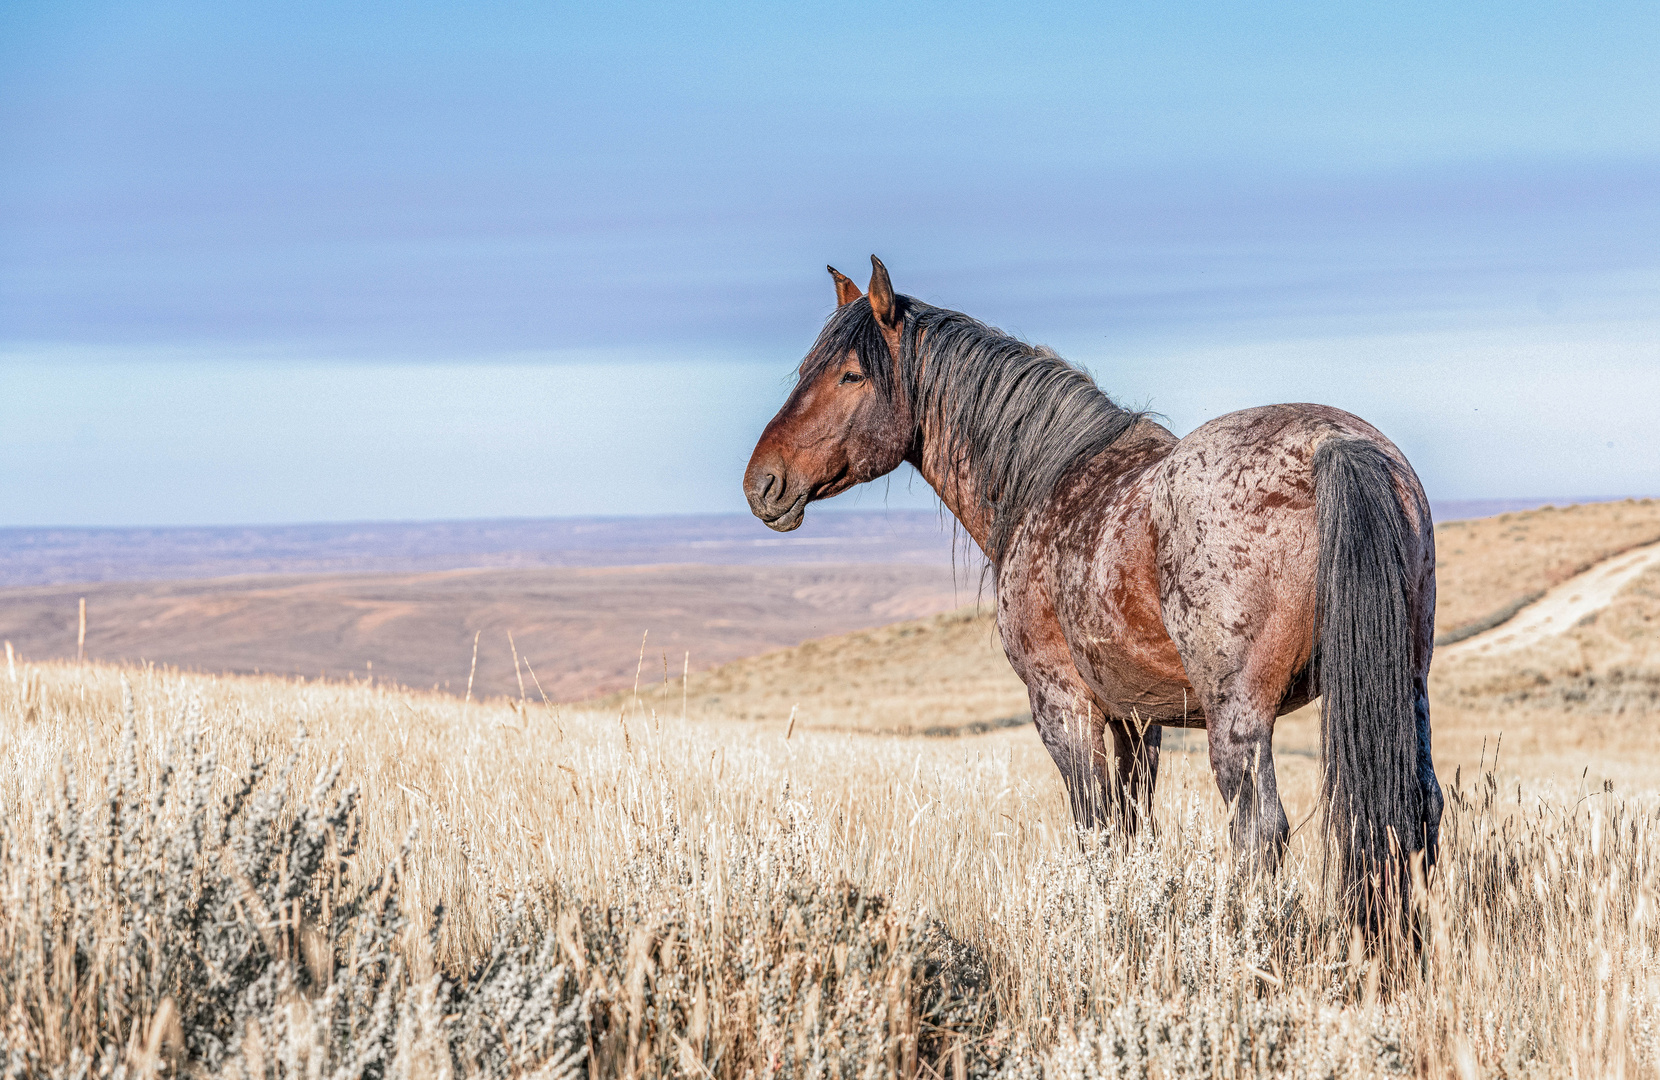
[846, 291]
[882, 303]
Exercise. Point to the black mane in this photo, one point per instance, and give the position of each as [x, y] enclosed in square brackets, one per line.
[1017, 414]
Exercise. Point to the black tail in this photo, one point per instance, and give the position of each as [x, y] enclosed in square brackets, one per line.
[1369, 725]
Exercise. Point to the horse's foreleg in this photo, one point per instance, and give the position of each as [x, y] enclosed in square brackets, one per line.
[1109, 765]
[1135, 771]
[1069, 725]
[1242, 757]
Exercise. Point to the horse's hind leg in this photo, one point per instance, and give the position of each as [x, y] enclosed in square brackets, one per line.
[1241, 679]
[1244, 638]
[1242, 758]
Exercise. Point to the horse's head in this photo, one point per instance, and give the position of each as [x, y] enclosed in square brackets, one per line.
[847, 420]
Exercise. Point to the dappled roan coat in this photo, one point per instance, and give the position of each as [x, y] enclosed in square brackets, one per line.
[1218, 580]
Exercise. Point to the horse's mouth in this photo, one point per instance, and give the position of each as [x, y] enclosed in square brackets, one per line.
[790, 518]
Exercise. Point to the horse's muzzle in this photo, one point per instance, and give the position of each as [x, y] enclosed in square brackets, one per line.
[772, 498]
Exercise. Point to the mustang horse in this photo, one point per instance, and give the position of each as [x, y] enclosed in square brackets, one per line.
[1143, 581]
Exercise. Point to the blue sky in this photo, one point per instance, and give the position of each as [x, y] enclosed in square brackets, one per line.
[324, 262]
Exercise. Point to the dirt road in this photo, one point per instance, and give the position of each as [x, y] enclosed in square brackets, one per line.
[1562, 606]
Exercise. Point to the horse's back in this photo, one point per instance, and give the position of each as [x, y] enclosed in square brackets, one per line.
[1252, 470]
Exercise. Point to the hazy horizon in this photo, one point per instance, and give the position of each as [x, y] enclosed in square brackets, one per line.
[59, 555]
[1444, 509]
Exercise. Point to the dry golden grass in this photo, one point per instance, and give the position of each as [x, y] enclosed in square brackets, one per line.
[1485, 566]
[936, 674]
[701, 897]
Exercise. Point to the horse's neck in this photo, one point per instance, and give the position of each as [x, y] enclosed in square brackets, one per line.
[953, 481]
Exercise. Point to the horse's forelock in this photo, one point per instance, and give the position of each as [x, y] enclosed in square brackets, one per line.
[852, 328]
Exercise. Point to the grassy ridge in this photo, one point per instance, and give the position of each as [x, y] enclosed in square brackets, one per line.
[941, 673]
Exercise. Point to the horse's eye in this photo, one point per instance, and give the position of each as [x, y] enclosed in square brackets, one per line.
[852, 377]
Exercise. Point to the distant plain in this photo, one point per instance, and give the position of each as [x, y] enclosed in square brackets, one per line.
[404, 602]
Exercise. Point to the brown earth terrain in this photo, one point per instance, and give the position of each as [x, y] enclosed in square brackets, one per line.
[579, 629]
[1487, 566]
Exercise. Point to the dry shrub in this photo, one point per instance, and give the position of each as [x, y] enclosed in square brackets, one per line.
[157, 925]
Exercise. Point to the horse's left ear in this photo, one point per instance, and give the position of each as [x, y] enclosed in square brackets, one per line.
[846, 291]
[882, 303]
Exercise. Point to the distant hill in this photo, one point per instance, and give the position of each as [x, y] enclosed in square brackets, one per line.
[578, 627]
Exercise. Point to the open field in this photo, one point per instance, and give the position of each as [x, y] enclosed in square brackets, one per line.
[579, 628]
[254, 876]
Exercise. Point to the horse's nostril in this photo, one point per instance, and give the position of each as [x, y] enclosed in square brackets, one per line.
[768, 482]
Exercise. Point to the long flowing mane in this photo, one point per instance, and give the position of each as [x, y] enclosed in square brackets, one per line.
[1018, 417]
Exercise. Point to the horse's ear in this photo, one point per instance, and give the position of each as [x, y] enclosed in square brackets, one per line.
[846, 291]
[882, 303]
